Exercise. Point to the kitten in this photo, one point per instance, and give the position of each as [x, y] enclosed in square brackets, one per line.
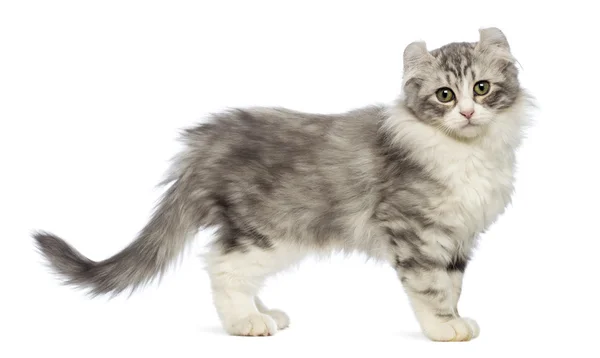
[412, 184]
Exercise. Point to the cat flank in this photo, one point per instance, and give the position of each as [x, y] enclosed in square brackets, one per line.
[412, 184]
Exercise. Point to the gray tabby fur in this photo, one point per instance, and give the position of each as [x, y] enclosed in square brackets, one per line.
[387, 181]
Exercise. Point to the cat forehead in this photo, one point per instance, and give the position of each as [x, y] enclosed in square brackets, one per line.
[456, 58]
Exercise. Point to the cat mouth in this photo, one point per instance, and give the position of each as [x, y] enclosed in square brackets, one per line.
[470, 124]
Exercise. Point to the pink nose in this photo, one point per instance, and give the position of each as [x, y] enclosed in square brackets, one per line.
[467, 113]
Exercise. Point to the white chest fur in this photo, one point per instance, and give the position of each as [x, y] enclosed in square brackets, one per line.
[477, 175]
[479, 184]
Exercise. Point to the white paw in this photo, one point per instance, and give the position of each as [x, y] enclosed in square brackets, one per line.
[258, 324]
[280, 317]
[455, 330]
[474, 327]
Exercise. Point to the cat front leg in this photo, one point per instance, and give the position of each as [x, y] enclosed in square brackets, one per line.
[433, 297]
[433, 288]
[456, 272]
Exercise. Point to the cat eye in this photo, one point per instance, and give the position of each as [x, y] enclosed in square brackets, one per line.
[481, 88]
[444, 95]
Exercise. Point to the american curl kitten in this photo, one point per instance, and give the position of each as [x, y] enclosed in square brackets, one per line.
[412, 184]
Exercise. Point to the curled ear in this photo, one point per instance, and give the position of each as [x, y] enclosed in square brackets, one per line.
[494, 47]
[492, 37]
[415, 53]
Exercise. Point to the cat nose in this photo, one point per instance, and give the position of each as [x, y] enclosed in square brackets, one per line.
[468, 113]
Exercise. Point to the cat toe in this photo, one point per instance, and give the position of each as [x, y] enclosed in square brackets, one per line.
[455, 330]
[254, 325]
[281, 318]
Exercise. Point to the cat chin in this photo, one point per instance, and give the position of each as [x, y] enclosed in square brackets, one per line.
[466, 132]
[471, 131]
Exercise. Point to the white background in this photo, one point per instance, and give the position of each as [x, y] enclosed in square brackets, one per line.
[92, 95]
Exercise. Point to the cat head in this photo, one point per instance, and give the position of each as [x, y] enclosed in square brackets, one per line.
[461, 87]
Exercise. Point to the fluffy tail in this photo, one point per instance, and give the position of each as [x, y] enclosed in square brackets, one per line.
[174, 222]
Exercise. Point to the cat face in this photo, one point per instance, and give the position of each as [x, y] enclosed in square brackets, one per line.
[461, 87]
